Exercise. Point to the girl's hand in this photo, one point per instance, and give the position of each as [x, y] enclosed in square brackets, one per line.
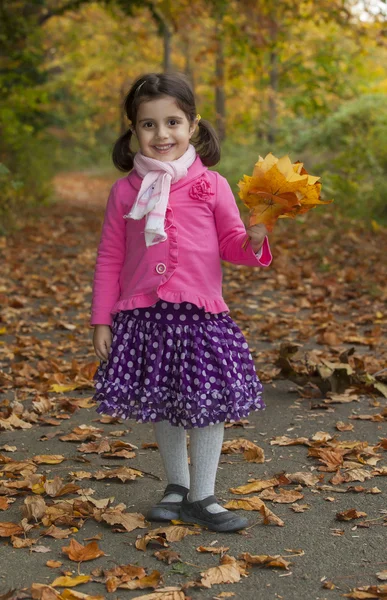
[102, 340]
[257, 234]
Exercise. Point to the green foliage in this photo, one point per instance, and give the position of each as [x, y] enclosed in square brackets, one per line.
[348, 150]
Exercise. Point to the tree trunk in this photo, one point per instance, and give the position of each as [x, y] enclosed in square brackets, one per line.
[273, 82]
[188, 68]
[220, 96]
[167, 36]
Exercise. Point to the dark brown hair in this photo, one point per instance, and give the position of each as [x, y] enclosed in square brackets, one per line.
[155, 85]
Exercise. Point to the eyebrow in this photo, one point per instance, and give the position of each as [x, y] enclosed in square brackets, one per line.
[150, 119]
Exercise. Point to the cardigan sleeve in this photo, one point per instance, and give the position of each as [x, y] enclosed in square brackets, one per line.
[110, 259]
[232, 232]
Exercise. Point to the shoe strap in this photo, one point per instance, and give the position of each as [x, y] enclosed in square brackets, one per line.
[207, 501]
[174, 488]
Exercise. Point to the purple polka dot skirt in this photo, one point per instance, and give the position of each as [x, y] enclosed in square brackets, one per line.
[177, 363]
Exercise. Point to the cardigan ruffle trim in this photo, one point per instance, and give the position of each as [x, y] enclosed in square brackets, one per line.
[216, 305]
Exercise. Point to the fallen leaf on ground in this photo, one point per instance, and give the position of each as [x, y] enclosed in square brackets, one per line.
[7, 529]
[79, 553]
[265, 560]
[167, 556]
[227, 572]
[348, 515]
[255, 486]
[53, 564]
[67, 581]
[213, 549]
[283, 497]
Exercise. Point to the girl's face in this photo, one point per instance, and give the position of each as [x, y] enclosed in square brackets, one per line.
[162, 129]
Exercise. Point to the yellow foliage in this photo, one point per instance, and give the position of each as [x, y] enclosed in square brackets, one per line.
[279, 188]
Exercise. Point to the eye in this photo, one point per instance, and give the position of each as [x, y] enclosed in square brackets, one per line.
[147, 124]
[174, 122]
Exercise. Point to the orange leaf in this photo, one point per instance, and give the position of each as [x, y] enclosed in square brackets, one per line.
[79, 553]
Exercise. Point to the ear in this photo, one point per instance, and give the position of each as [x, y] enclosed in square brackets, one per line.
[193, 127]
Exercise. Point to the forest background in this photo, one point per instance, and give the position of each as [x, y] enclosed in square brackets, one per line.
[306, 78]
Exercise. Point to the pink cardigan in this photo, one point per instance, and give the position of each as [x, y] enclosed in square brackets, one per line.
[203, 226]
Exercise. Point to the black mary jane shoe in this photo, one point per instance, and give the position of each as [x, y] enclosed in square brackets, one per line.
[197, 513]
[167, 511]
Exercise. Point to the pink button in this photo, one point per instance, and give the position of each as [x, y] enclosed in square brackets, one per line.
[161, 268]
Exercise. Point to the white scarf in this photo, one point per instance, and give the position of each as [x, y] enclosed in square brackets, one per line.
[152, 199]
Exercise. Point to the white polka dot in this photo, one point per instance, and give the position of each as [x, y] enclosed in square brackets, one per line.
[212, 379]
[111, 371]
[207, 354]
[176, 306]
[150, 369]
[196, 381]
[189, 306]
[210, 367]
[147, 381]
[164, 305]
[116, 359]
[138, 372]
[182, 317]
[169, 317]
[136, 312]
[153, 356]
[155, 345]
[207, 385]
[195, 317]
[126, 376]
[132, 352]
[158, 316]
[120, 347]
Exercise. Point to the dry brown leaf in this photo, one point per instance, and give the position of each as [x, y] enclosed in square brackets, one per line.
[285, 440]
[40, 548]
[4, 503]
[56, 487]
[368, 591]
[57, 533]
[121, 473]
[22, 542]
[67, 581]
[321, 436]
[228, 572]
[7, 529]
[161, 535]
[253, 503]
[255, 486]
[341, 426]
[303, 478]
[251, 452]
[348, 515]
[54, 564]
[265, 560]
[34, 508]
[168, 593]
[382, 575]
[74, 595]
[269, 518]
[79, 553]
[149, 581]
[129, 521]
[213, 549]
[48, 459]
[41, 591]
[300, 507]
[167, 556]
[284, 496]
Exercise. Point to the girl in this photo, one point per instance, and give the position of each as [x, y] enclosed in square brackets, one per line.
[170, 353]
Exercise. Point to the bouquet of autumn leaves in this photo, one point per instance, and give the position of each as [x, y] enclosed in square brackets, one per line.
[277, 189]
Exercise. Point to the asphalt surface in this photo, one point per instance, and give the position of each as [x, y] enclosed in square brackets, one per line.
[349, 560]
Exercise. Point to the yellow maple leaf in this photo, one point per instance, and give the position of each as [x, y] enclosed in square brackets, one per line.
[277, 189]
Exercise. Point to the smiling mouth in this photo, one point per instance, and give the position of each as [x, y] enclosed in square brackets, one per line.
[164, 148]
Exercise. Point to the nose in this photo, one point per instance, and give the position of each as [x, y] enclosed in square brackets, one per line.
[162, 133]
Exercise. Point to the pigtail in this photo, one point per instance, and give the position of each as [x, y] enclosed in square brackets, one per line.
[207, 144]
[123, 155]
